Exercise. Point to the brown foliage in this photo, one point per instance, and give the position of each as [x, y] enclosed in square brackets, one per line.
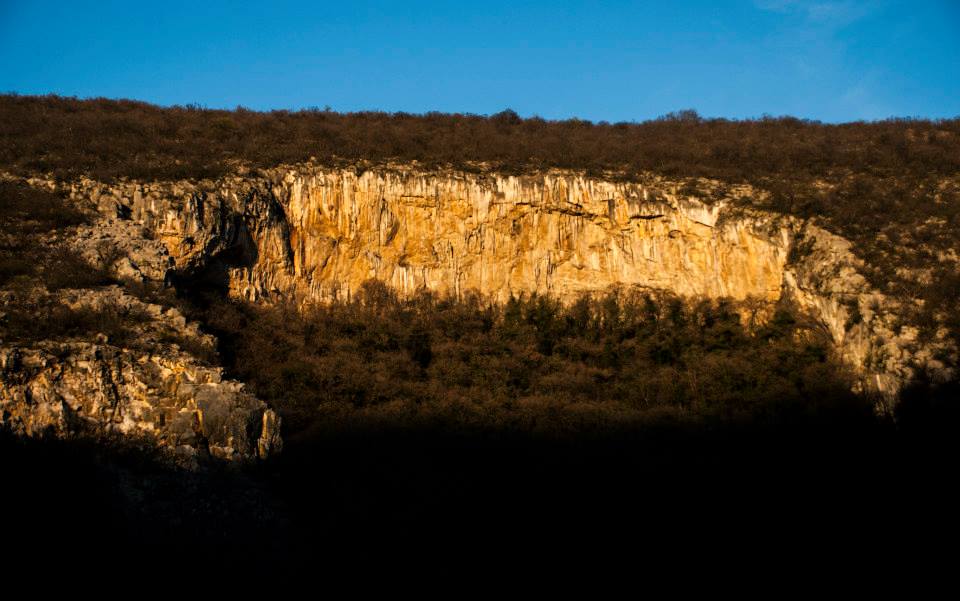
[123, 138]
[26, 215]
[530, 365]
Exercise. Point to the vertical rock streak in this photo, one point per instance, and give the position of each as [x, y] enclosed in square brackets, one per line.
[319, 234]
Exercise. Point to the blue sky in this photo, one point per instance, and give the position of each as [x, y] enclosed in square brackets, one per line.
[833, 60]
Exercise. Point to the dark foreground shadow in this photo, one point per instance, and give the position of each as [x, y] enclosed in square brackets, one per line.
[360, 500]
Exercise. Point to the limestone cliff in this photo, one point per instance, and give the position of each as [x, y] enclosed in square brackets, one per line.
[315, 234]
[320, 233]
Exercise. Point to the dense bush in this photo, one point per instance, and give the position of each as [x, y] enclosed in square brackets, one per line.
[27, 214]
[108, 138]
[529, 365]
[26, 210]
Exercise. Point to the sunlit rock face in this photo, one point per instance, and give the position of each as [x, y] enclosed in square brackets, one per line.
[313, 234]
[500, 236]
[319, 234]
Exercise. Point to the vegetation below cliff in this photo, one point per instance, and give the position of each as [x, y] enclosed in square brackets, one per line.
[531, 365]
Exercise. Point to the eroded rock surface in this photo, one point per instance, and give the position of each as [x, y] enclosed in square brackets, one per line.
[150, 390]
[870, 330]
[314, 234]
[320, 234]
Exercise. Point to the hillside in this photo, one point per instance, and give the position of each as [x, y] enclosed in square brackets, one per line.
[386, 322]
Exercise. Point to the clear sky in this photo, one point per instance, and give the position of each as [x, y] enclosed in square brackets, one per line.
[833, 60]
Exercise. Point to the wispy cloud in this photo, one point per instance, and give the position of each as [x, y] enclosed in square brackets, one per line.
[774, 5]
[812, 39]
[861, 100]
[832, 14]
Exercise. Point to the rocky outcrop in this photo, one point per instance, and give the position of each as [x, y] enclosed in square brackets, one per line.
[149, 390]
[316, 234]
[870, 330]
